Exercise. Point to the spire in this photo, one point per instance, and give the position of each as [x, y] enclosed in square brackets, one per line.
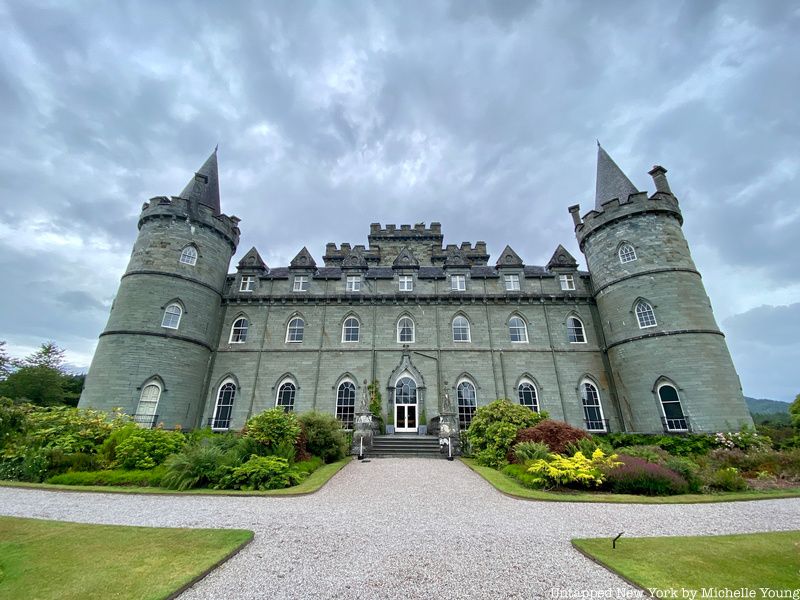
[611, 181]
[204, 186]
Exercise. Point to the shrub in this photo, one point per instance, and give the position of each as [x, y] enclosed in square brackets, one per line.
[273, 427]
[71, 429]
[677, 445]
[748, 463]
[520, 474]
[147, 448]
[587, 446]
[13, 420]
[199, 465]
[789, 464]
[261, 473]
[638, 476]
[121, 477]
[745, 440]
[324, 436]
[310, 465]
[653, 454]
[529, 451]
[686, 468]
[494, 427]
[555, 434]
[572, 471]
[727, 480]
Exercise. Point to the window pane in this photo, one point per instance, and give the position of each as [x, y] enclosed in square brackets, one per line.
[627, 253]
[512, 282]
[350, 330]
[517, 330]
[172, 316]
[405, 392]
[345, 404]
[527, 396]
[286, 396]
[239, 331]
[294, 332]
[645, 315]
[575, 331]
[460, 329]
[189, 255]
[466, 404]
[224, 408]
[405, 330]
[592, 411]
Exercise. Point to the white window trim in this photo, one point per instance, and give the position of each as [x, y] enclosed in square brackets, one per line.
[514, 280]
[336, 401]
[633, 251]
[157, 385]
[191, 262]
[353, 283]
[453, 330]
[216, 404]
[460, 279]
[244, 284]
[568, 280]
[524, 328]
[413, 330]
[538, 404]
[344, 323]
[233, 325]
[288, 327]
[583, 330]
[599, 404]
[409, 279]
[652, 312]
[284, 381]
[180, 316]
[661, 405]
[303, 281]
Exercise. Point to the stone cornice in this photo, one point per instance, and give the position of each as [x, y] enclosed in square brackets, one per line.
[173, 275]
[648, 272]
[459, 299]
[663, 334]
[168, 336]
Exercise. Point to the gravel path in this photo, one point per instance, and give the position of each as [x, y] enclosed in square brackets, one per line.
[405, 528]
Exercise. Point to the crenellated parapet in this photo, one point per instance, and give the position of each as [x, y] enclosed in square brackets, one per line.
[335, 257]
[175, 207]
[405, 233]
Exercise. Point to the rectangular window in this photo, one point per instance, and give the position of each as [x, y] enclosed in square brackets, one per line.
[512, 283]
[567, 282]
[458, 283]
[300, 283]
[248, 284]
[406, 283]
[354, 283]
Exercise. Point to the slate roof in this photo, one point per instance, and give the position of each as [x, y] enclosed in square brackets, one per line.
[204, 186]
[611, 181]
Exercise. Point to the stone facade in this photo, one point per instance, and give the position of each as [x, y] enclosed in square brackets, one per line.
[521, 339]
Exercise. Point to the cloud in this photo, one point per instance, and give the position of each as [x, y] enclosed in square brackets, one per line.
[480, 115]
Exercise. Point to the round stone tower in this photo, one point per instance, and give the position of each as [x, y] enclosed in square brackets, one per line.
[153, 356]
[669, 360]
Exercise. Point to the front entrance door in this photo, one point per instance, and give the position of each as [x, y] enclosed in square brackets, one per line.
[405, 417]
[405, 405]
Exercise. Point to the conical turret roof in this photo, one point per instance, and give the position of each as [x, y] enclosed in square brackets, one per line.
[611, 181]
[204, 186]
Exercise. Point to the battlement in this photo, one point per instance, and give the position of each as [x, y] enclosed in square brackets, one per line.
[475, 256]
[335, 256]
[175, 207]
[406, 232]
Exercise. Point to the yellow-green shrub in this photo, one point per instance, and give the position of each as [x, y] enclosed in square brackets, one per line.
[575, 470]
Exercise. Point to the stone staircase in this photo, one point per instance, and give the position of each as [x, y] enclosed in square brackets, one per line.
[399, 445]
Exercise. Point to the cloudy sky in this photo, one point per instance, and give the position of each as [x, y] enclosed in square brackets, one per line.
[331, 115]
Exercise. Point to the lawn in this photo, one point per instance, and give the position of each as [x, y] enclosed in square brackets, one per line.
[59, 560]
[512, 487]
[727, 562]
[308, 486]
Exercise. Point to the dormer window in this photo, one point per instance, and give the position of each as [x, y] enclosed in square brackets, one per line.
[353, 283]
[248, 283]
[406, 283]
[458, 283]
[300, 283]
[511, 282]
[567, 282]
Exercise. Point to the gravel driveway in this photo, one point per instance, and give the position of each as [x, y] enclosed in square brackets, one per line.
[405, 528]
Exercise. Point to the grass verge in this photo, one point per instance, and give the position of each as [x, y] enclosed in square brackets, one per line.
[310, 485]
[511, 487]
[755, 561]
[59, 560]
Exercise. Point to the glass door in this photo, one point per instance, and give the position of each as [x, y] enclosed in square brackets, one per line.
[405, 418]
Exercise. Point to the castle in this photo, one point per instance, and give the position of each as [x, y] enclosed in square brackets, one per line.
[631, 345]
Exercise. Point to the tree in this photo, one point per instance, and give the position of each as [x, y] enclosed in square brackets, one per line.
[5, 361]
[40, 378]
[48, 355]
[794, 411]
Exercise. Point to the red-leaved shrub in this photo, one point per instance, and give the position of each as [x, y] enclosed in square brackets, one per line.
[637, 476]
[555, 434]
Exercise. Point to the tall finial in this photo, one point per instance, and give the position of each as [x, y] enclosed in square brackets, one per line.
[598, 142]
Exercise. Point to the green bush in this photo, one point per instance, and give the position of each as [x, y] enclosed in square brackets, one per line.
[70, 429]
[261, 473]
[273, 427]
[638, 476]
[575, 471]
[678, 445]
[13, 420]
[686, 468]
[727, 480]
[310, 465]
[120, 477]
[587, 446]
[525, 452]
[494, 428]
[147, 448]
[520, 474]
[324, 436]
[746, 440]
[198, 465]
[556, 434]
[653, 454]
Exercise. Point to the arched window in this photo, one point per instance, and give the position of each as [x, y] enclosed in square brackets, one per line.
[626, 253]
[645, 315]
[294, 330]
[405, 405]
[575, 333]
[189, 255]
[350, 329]
[346, 403]
[405, 330]
[172, 316]
[405, 392]
[460, 329]
[526, 392]
[148, 404]
[467, 403]
[239, 331]
[286, 394]
[674, 419]
[224, 406]
[517, 329]
[592, 410]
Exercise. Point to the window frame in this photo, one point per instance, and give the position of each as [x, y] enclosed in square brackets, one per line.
[463, 408]
[571, 329]
[215, 414]
[584, 391]
[138, 416]
[286, 381]
[357, 330]
[301, 329]
[458, 283]
[524, 329]
[303, 281]
[567, 282]
[353, 283]
[405, 279]
[413, 330]
[535, 405]
[666, 419]
[468, 329]
[513, 279]
[247, 283]
[243, 330]
[185, 251]
[645, 315]
[172, 314]
[626, 253]
[346, 412]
